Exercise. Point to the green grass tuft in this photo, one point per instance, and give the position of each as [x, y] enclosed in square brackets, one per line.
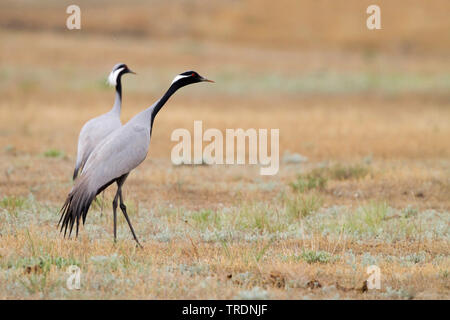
[316, 179]
[340, 172]
[368, 218]
[53, 153]
[204, 218]
[303, 206]
[311, 256]
[13, 204]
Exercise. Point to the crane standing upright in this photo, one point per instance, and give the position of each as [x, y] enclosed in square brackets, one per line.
[96, 129]
[114, 158]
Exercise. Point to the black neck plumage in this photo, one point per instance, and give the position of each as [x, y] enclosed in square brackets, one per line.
[119, 87]
[118, 101]
[172, 89]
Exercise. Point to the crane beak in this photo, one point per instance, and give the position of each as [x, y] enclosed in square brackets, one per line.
[129, 71]
[207, 80]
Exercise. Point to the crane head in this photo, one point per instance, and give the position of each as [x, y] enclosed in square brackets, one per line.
[189, 77]
[117, 71]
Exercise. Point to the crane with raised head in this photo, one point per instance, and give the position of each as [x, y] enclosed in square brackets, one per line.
[113, 159]
[98, 128]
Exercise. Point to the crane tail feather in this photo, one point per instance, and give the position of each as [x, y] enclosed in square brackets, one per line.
[75, 173]
[79, 168]
[75, 207]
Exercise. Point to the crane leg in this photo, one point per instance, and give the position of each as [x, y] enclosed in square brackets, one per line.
[115, 214]
[124, 210]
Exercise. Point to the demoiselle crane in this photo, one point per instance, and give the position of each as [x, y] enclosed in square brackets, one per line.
[113, 159]
[96, 129]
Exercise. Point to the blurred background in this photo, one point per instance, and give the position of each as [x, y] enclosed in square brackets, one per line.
[364, 120]
[336, 90]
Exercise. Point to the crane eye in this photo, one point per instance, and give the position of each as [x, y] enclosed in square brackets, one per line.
[193, 74]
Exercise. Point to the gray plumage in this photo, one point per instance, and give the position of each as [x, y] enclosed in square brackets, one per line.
[113, 159]
[96, 129]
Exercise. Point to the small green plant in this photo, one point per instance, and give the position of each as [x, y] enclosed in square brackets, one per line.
[340, 172]
[311, 256]
[53, 153]
[35, 283]
[316, 179]
[258, 216]
[263, 251]
[409, 211]
[374, 213]
[112, 262]
[37, 269]
[303, 206]
[46, 261]
[368, 218]
[204, 218]
[13, 204]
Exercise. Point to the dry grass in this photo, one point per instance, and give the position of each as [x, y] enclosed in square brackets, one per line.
[371, 114]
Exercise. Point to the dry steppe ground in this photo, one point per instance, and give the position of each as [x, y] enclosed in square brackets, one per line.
[370, 114]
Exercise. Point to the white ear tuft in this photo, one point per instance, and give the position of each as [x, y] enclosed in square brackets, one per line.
[178, 77]
[112, 78]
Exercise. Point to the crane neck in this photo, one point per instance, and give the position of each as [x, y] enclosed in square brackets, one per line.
[161, 102]
[118, 100]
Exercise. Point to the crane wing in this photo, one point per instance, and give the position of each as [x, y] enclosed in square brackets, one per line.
[92, 133]
[118, 154]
